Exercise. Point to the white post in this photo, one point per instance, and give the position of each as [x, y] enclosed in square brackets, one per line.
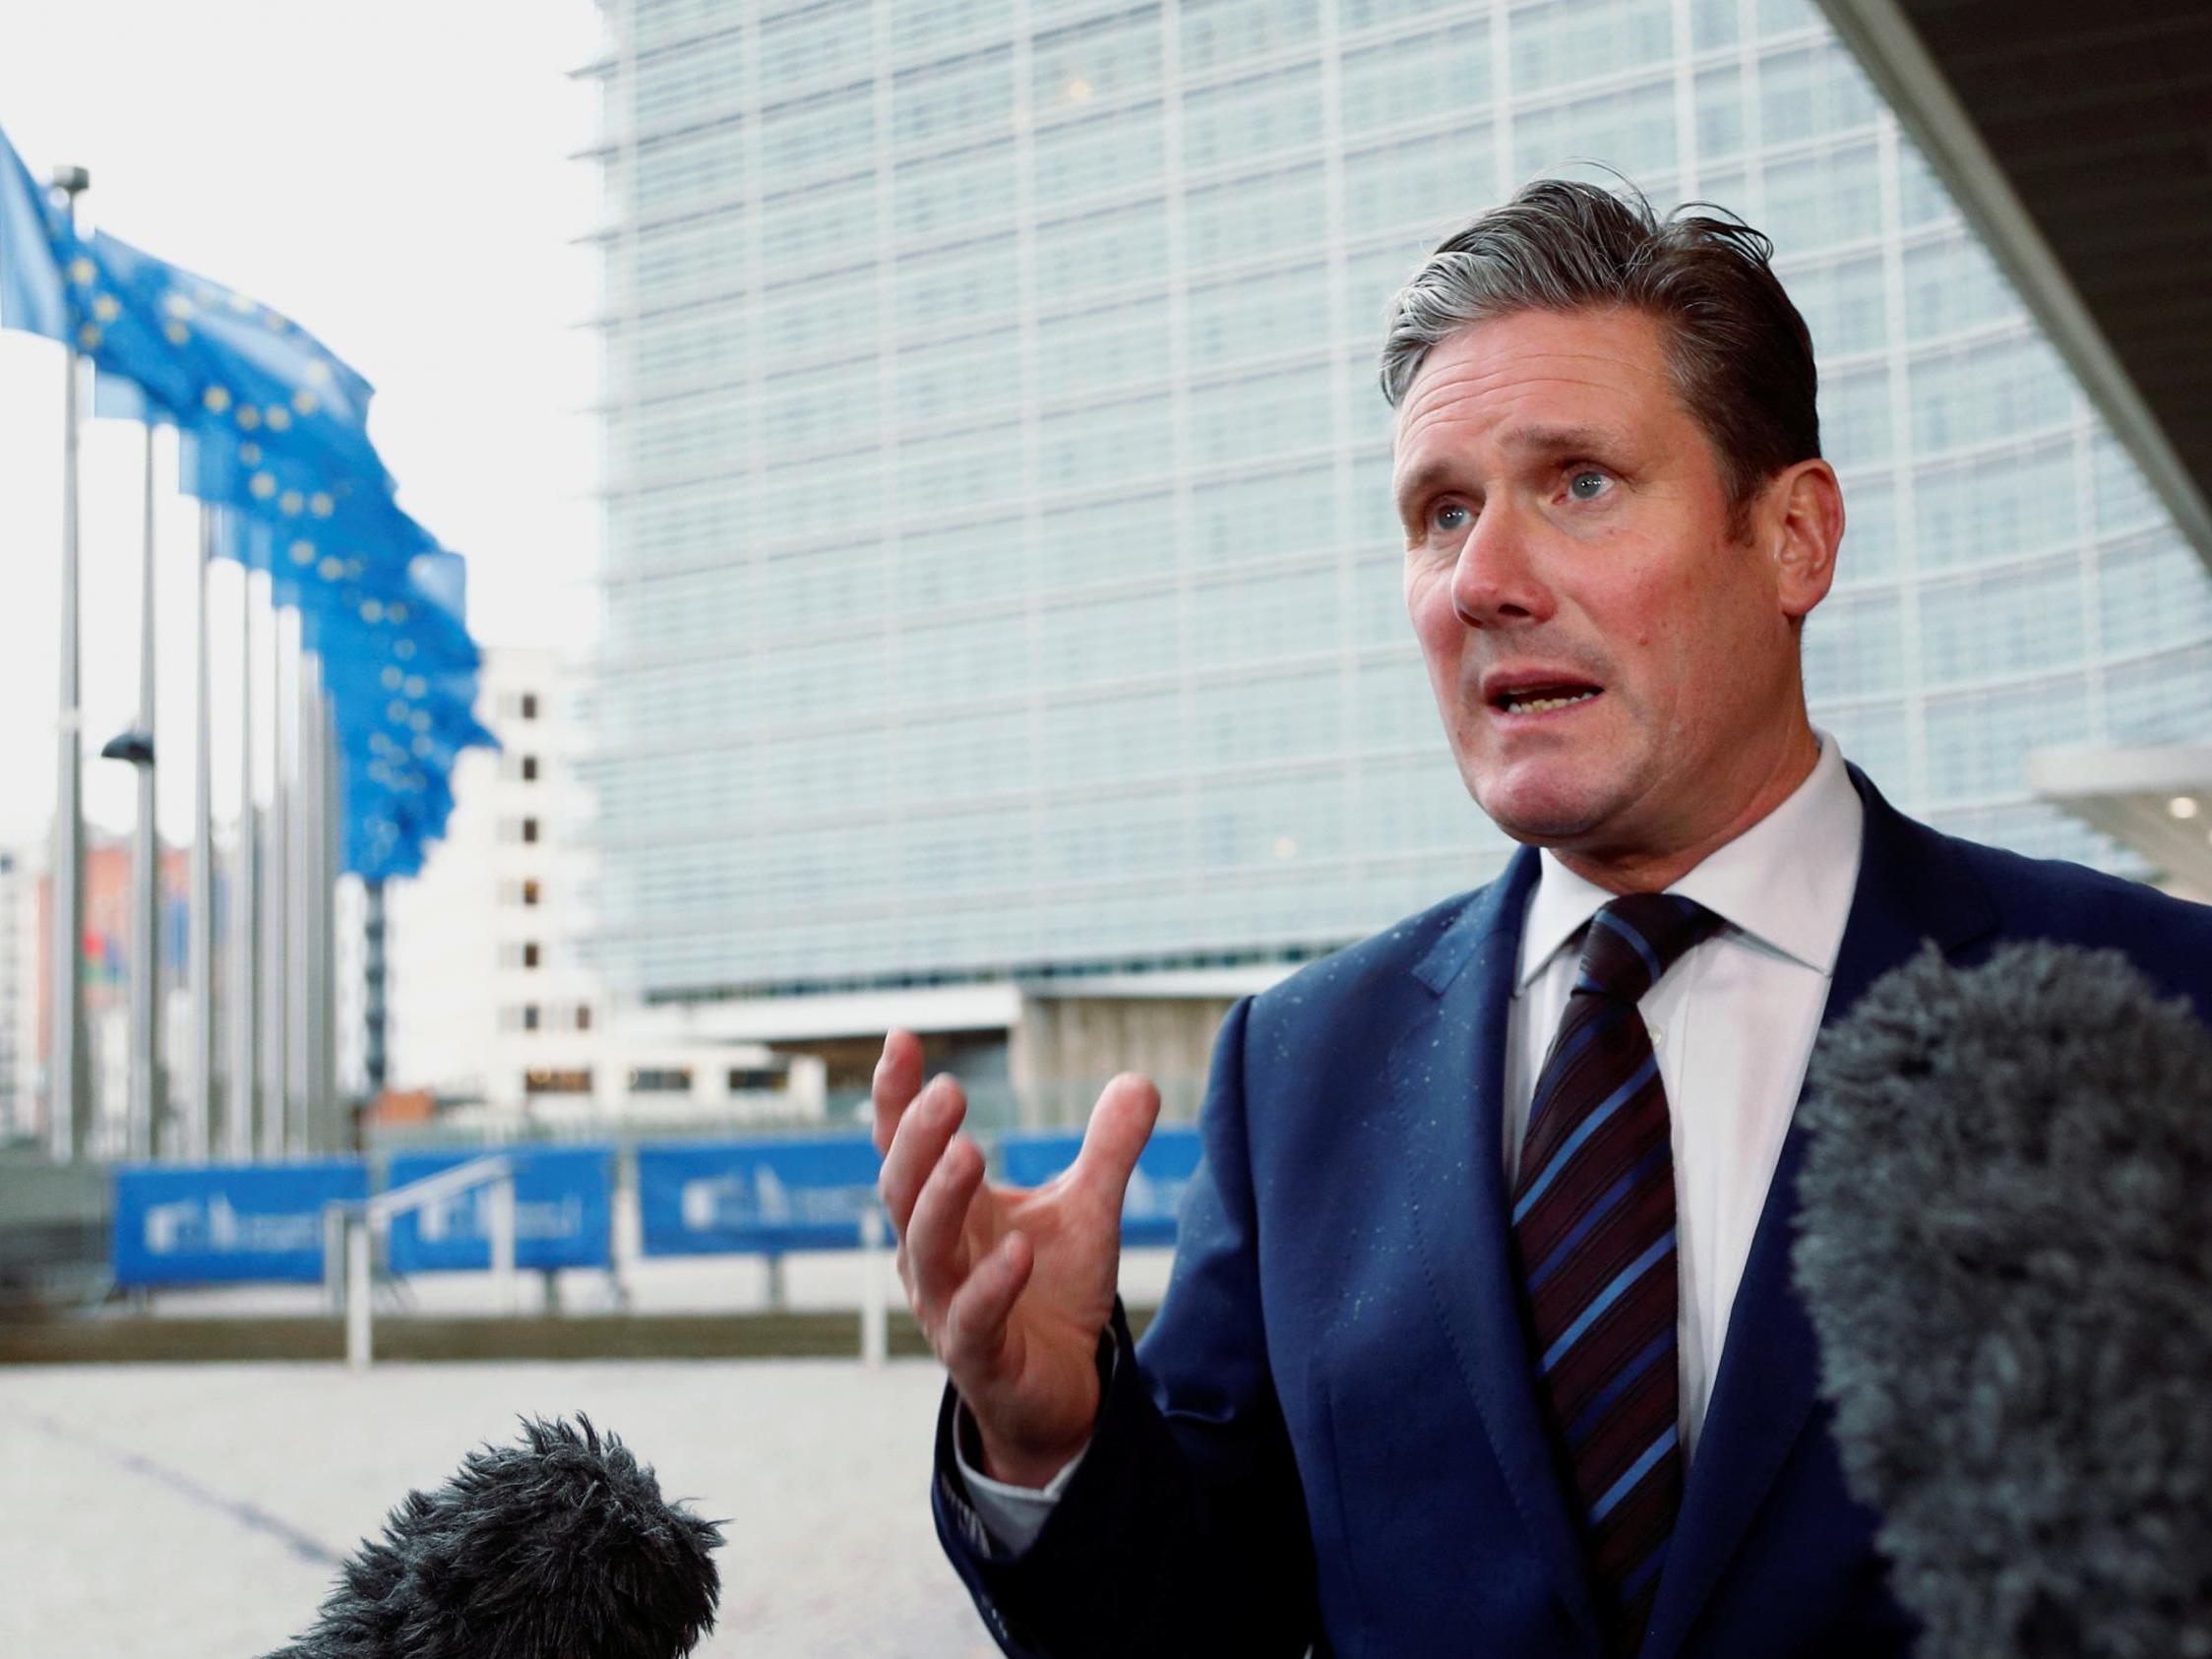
[69, 1097]
[330, 856]
[873, 1302]
[276, 1119]
[357, 1291]
[300, 957]
[501, 1225]
[143, 1138]
[627, 1226]
[245, 906]
[200, 942]
[334, 1255]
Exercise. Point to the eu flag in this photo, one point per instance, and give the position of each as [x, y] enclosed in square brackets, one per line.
[54, 283]
[36, 247]
[255, 371]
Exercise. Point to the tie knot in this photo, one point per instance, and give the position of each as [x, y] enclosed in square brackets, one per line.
[1635, 940]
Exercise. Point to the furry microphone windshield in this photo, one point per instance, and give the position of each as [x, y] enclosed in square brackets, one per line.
[2005, 1244]
[560, 1547]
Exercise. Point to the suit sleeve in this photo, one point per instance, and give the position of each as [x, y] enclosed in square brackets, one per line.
[1184, 1529]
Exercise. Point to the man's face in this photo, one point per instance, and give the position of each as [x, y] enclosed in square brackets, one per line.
[1568, 537]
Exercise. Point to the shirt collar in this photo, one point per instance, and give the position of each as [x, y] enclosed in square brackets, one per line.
[1785, 883]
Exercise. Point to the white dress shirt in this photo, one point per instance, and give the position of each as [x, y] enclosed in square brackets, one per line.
[1782, 890]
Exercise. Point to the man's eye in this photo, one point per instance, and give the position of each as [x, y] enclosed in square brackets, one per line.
[1448, 515]
[1588, 484]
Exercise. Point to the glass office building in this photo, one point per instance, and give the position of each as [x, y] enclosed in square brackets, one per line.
[1000, 570]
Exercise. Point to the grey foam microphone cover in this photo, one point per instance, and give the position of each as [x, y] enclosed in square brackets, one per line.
[2005, 1247]
[559, 1548]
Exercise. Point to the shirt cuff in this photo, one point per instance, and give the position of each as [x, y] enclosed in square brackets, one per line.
[1011, 1514]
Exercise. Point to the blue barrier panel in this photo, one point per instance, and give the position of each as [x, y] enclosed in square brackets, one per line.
[756, 1197]
[213, 1222]
[564, 1207]
[1155, 1186]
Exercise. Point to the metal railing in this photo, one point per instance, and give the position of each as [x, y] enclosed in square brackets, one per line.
[350, 1231]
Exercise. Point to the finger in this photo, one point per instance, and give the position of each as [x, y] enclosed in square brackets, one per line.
[1120, 1125]
[936, 1234]
[975, 1319]
[898, 1080]
[916, 1146]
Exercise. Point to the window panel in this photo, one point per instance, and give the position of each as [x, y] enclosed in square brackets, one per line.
[1126, 247]
[1952, 285]
[1854, 648]
[2154, 593]
[1436, 182]
[1571, 40]
[1632, 129]
[2007, 622]
[1821, 201]
[1262, 518]
[1995, 507]
[1251, 220]
[1265, 116]
[1118, 151]
[1812, 93]
[1978, 395]
[1978, 744]
[1416, 80]
[1217, 33]
[1101, 58]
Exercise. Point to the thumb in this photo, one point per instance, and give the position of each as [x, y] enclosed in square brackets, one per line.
[1120, 1125]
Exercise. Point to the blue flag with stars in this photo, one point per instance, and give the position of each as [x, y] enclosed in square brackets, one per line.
[275, 429]
[54, 283]
[253, 370]
[35, 243]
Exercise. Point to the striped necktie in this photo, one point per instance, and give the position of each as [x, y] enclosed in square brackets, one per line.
[1594, 1230]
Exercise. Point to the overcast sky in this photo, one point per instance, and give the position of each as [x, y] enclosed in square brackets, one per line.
[393, 176]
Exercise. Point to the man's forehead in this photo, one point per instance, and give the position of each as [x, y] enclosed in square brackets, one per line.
[1568, 354]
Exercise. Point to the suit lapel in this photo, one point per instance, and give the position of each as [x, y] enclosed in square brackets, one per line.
[1447, 1085]
[1910, 889]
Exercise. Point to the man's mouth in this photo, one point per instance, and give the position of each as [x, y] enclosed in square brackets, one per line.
[1542, 699]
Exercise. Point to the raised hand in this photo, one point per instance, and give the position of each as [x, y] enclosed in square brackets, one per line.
[1011, 1285]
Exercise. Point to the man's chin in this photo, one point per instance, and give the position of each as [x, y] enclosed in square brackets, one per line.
[1542, 817]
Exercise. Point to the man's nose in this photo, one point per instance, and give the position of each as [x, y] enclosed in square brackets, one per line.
[1495, 582]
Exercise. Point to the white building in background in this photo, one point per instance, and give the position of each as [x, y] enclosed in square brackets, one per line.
[1004, 630]
[489, 1009]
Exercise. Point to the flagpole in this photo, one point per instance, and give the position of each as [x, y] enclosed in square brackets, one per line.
[300, 826]
[199, 940]
[245, 906]
[144, 1140]
[340, 1129]
[68, 1094]
[374, 982]
[276, 1121]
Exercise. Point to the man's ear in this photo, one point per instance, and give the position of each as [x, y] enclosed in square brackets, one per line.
[1804, 528]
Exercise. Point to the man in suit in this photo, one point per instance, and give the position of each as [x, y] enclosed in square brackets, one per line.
[1481, 1337]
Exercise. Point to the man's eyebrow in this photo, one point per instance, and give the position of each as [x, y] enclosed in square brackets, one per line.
[1426, 475]
[1559, 439]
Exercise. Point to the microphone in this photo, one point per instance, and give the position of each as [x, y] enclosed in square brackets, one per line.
[2005, 1246]
[560, 1547]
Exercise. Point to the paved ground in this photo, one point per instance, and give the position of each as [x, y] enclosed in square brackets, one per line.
[193, 1512]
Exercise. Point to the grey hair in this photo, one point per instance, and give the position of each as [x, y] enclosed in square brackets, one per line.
[1738, 353]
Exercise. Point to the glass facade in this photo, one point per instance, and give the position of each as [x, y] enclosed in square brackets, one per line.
[1000, 567]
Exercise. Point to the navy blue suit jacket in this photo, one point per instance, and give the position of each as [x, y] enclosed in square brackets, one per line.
[1329, 1438]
